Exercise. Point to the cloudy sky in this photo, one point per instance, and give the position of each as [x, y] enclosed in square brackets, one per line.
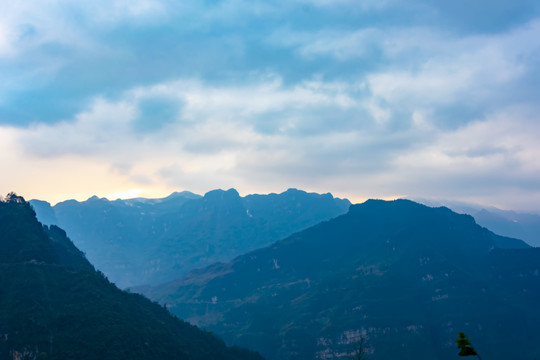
[361, 98]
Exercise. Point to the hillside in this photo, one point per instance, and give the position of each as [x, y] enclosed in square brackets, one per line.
[54, 305]
[524, 226]
[150, 241]
[403, 276]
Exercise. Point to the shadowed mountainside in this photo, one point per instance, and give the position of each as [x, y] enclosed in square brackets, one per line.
[54, 305]
[404, 276]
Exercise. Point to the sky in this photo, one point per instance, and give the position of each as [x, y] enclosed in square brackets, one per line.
[363, 99]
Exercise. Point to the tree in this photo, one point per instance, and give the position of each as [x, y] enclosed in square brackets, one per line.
[14, 198]
[465, 347]
[359, 349]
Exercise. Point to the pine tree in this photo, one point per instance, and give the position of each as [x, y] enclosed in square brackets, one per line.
[465, 347]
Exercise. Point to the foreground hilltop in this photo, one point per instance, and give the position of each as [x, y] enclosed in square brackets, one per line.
[150, 241]
[404, 277]
[54, 305]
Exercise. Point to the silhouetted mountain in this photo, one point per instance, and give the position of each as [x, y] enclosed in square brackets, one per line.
[404, 276]
[54, 305]
[504, 222]
[140, 241]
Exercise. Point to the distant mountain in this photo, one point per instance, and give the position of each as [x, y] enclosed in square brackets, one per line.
[55, 306]
[403, 276]
[151, 241]
[45, 212]
[504, 222]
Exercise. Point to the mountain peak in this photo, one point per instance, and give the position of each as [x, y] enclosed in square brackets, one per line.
[96, 198]
[183, 194]
[405, 208]
[23, 239]
[294, 190]
[220, 194]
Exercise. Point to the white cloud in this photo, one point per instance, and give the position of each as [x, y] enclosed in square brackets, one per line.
[422, 70]
[362, 4]
[465, 68]
[426, 67]
[25, 25]
[99, 130]
[214, 138]
[490, 160]
[342, 46]
[5, 41]
[246, 104]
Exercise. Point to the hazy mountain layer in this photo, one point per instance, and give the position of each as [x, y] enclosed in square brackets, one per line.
[504, 222]
[55, 306]
[404, 276]
[511, 223]
[150, 241]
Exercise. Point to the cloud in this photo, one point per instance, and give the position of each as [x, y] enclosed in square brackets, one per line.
[155, 112]
[217, 135]
[489, 160]
[422, 70]
[335, 43]
[215, 129]
[364, 99]
[363, 5]
[50, 50]
[194, 114]
[99, 130]
[461, 67]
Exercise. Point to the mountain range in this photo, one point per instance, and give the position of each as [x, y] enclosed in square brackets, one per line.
[398, 277]
[519, 225]
[151, 241]
[55, 306]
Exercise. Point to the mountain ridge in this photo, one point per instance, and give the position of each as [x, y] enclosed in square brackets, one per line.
[152, 241]
[348, 278]
[55, 306]
[520, 225]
